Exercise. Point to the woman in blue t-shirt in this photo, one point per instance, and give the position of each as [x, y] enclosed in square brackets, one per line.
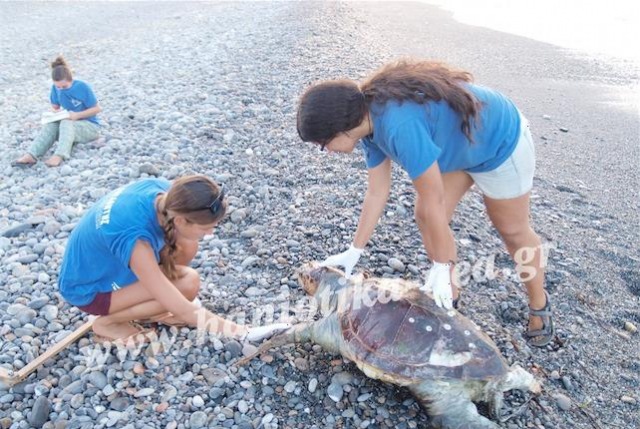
[447, 134]
[127, 259]
[82, 125]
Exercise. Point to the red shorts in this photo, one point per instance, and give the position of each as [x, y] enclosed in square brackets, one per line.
[99, 306]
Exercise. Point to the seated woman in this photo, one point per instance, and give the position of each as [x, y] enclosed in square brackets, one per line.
[127, 259]
[81, 127]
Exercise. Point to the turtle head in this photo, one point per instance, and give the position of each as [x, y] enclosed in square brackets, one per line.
[516, 378]
[311, 275]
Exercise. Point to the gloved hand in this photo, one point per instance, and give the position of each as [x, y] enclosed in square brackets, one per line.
[347, 259]
[259, 333]
[439, 284]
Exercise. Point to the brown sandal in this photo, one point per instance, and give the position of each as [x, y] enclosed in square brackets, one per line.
[143, 336]
[165, 319]
[543, 336]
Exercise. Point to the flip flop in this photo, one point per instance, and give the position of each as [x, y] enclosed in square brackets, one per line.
[143, 336]
[23, 164]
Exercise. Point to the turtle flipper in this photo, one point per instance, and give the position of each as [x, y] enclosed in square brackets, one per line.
[450, 407]
[290, 336]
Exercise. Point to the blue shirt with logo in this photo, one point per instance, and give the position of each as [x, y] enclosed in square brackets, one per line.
[416, 135]
[78, 97]
[99, 249]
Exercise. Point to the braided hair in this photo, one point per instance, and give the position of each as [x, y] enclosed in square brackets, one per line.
[196, 198]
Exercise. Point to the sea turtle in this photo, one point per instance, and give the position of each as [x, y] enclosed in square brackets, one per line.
[395, 333]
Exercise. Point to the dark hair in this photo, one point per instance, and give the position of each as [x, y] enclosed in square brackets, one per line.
[60, 70]
[199, 200]
[329, 108]
[332, 107]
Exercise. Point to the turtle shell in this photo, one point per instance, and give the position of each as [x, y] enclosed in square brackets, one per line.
[390, 325]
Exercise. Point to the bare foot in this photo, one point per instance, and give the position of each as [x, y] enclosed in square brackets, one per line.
[114, 331]
[54, 161]
[24, 160]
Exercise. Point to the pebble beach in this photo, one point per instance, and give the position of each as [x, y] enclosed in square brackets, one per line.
[211, 88]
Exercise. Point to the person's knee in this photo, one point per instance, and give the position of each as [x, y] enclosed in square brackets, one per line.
[189, 283]
[516, 235]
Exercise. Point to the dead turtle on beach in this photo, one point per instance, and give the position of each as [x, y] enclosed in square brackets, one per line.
[395, 333]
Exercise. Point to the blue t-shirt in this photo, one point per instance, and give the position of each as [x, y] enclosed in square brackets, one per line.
[99, 249]
[416, 135]
[78, 97]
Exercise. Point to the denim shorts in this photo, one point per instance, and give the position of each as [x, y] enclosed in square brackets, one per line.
[514, 177]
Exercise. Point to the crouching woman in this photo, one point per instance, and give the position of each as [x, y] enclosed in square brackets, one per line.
[127, 259]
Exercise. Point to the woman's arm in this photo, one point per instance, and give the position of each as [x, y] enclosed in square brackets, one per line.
[378, 185]
[431, 216]
[146, 268]
[92, 111]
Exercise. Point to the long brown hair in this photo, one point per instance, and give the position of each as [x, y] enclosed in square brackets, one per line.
[423, 81]
[331, 107]
[60, 70]
[199, 200]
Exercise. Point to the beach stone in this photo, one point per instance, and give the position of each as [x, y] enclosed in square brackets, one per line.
[49, 312]
[335, 392]
[144, 392]
[342, 378]
[52, 227]
[40, 302]
[243, 407]
[290, 386]
[198, 420]
[313, 385]
[40, 412]
[149, 169]
[563, 401]
[212, 375]
[197, 401]
[15, 231]
[98, 379]
[234, 348]
[26, 315]
[396, 264]
[119, 404]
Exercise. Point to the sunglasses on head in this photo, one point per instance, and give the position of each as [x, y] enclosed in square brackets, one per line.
[216, 205]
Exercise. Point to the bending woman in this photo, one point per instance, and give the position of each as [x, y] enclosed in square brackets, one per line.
[447, 134]
[82, 126]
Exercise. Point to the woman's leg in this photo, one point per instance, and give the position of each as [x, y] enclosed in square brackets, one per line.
[456, 184]
[134, 303]
[41, 144]
[72, 132]
[511, 219]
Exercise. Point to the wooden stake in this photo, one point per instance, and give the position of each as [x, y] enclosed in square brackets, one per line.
[11, 377]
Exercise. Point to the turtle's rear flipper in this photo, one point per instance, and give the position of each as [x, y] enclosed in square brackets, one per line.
[450, 407]
[461, 422]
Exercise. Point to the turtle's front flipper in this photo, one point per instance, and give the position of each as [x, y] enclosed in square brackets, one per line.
[450, 407]
[290, 336]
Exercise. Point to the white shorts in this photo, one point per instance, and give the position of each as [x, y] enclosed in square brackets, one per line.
[514, 177]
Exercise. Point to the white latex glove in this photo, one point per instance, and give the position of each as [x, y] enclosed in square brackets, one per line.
[439, 284]
[347, 259]
[259, 333]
